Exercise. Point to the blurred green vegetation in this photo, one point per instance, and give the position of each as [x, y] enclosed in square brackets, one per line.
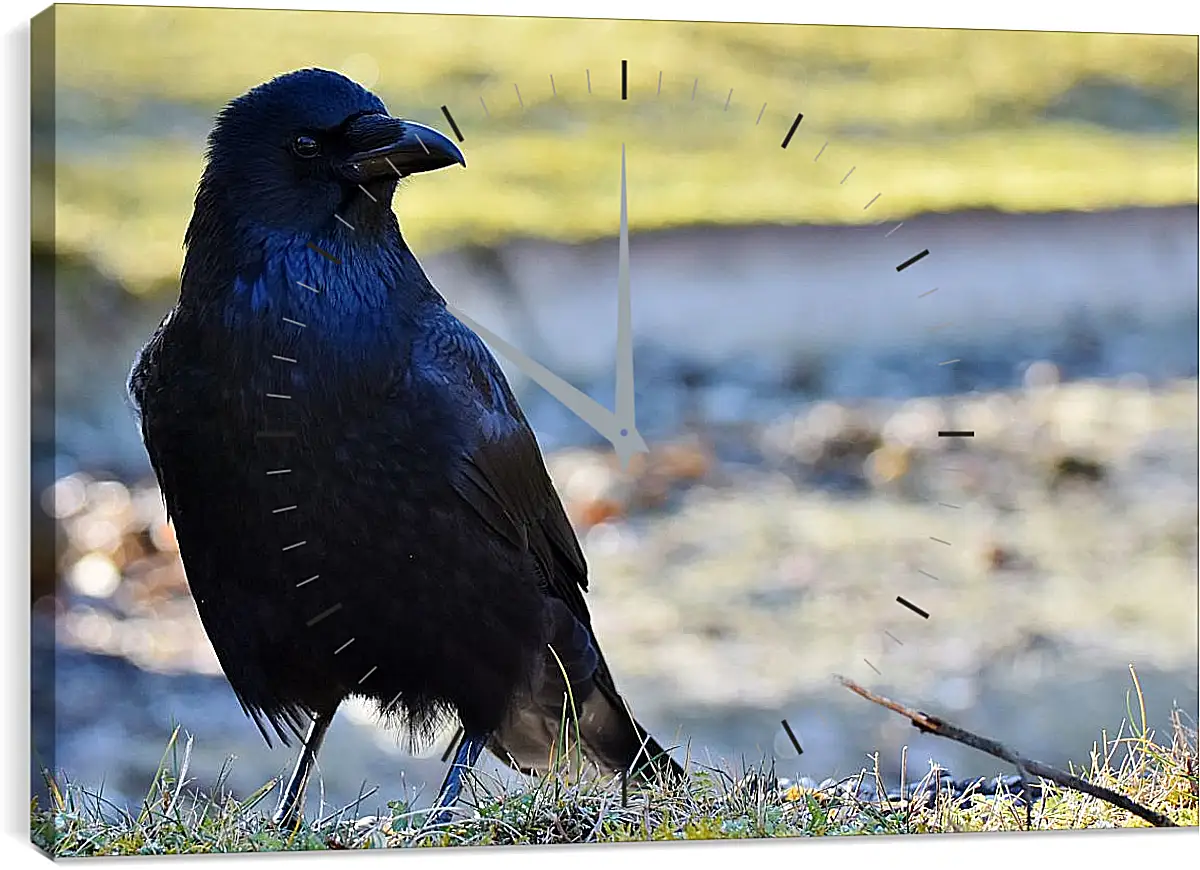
[931, 119]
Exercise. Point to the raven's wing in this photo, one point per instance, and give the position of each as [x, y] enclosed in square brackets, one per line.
[502, 477]
[500, 471]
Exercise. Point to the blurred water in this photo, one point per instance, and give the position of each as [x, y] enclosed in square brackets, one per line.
[739, 324]
[672, 393]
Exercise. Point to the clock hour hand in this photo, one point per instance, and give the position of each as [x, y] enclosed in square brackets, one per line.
[624, 438]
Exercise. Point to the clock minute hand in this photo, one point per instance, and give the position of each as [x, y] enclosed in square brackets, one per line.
[624, 362]
[631, 440]
[582, 405]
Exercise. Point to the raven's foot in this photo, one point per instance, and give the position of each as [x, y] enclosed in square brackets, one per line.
[290, 811]
[287, 817]
[291, 802]
[468, 753]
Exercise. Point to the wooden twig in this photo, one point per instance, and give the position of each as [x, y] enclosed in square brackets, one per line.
[933, 725]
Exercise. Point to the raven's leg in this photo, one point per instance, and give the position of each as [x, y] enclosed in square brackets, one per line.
[464, 760]
[290, 803]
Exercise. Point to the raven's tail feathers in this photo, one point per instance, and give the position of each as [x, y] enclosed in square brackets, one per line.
[654, 761]
[573, 697]
[600, 725]
[616, 741]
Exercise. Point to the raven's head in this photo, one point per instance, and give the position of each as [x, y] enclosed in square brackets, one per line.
[289, 155]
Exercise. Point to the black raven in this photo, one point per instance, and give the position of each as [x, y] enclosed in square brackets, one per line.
[360, 504]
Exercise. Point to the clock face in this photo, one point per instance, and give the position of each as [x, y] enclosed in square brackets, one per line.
[723, 315]
[841, 358]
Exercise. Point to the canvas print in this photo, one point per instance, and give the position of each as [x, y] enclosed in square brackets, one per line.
[475, 430]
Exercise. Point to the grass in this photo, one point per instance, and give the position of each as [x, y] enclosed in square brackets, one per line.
[561, 808]
[934, 120]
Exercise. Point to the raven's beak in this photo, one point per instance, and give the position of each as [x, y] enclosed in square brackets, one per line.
[392, 147]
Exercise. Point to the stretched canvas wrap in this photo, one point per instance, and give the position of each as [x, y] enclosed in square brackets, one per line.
[481, 430]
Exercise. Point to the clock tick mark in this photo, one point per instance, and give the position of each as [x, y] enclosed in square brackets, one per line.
[588, 72]
[284, 510]
[370, 195]
[956, 433]
[343, 646]
[553, 89]
[294, 546]
[893, 637]
[900, 599]
[913, 259]
[848, 174]
[458, 732]
[658, 93]
[695, 85]
[294, 322]
[792, 130]
[453, 124]
[872, 202]
[485, 108]
[927, 574]
[872, 667]
[792, 736]
[926, 293]
[822, 151]
[286, 359]
[940, 541]
[367, 674]
[893, 229]
[518, 90]
[278, 396]
[950, 362]
[308, 287]
[325, 254]
[345, 222]
[624, 80]
[275, 471]
[309, 580]
[727, 99]
[947, 504]
[760, 114]
[324, 615]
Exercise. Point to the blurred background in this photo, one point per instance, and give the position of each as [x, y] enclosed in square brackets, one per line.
[791, 383]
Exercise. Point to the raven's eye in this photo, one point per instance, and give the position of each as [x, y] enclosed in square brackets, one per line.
[305, 146]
